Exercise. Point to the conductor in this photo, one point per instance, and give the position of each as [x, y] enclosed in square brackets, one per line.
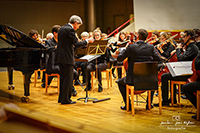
[67, 41]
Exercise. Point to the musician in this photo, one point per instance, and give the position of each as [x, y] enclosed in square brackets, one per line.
[190, 88]
[181, 36]
[49, 36]
[165, 48]
[101, 64]
[104, 36]
[137, 52]
[51, 45]
[34, 35]
[155, 38]
[82, 65]
[121, 39]
[187, 54]
[67, 40]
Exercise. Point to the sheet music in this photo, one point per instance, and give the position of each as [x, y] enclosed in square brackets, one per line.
[180, 68]
[88, 58]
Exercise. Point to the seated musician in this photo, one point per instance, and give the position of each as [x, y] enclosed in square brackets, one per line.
[155, 38]
[34, 35]
[49, 36]
[137, 52]
[188, 54]
[194, 83]
[51, 45]
[82, 65]
[117, 50]
[101, 64]
[165, 48]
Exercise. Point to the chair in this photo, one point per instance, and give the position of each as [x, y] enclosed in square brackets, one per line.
[108, 72]
[145, 79]
[52, 70]
[179, 90]
[123, 70]
[35, 78]
[46, 82]
[198, 105]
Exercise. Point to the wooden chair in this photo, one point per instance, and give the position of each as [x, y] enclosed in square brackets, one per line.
[198, 105]
[108, 72]
[179, 83]
[145, 79]
[35, 78]
[52, 70]
[58, 80]
[123, 70]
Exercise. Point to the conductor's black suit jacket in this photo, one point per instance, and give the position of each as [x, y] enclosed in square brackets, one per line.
[67, 41]
[137, 52]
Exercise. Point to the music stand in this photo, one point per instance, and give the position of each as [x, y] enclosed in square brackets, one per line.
[180, 68]
[94, 50]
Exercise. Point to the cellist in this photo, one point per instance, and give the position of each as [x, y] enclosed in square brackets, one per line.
[189, 52]
[190, 88]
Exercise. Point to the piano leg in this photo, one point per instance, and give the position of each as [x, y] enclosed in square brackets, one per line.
[26, 77]
[10, 78]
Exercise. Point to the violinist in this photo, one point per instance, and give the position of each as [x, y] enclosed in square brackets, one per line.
[137, 52]
[187, 54]
[155, 38]
[190, 88]
[122, 39]
[165, 47]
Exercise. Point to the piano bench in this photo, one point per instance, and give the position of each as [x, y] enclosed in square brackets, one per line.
[36, 74]
[46, 82]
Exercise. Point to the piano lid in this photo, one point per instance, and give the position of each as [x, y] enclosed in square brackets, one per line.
[17, 38]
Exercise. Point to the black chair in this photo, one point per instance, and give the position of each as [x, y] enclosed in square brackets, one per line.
[145, 79]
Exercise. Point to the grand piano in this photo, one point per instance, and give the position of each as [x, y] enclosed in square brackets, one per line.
[24, 55]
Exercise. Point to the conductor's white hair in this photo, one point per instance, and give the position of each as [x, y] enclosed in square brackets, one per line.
[75, 18]
[84, 34]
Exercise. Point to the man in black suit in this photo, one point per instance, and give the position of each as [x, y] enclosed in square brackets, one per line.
[137, 52]
[67, 41]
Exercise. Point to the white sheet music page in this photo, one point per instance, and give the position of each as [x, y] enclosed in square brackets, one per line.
[180, 68]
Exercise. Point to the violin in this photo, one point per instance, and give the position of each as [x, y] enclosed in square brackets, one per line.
[172, 58]
[162, 44]
[148, 40]
[154, 41]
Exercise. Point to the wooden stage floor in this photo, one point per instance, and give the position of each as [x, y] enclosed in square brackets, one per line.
[105, 116]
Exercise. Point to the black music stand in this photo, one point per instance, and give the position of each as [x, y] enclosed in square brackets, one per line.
[94, 50]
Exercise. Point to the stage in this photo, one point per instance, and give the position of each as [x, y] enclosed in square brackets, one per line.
[105, 116]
